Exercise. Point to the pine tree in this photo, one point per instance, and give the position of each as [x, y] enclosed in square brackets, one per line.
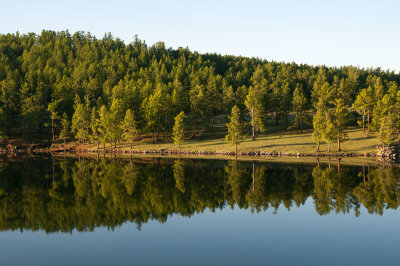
[386, 133]
[94, 127]
[299, 103]
[364, 105]
[228, 99]
[167, 113]
[253, 104]
[285, 100]
[65, 128]
[378, 109]
[152, 106]
[213, 99]
[80, 123]
[197, 107]
[235, 128]
[52, 108]
[340, 121]
[178, 130]
[116, 115]
[129, 127]
[319, 86]
[319, 122]
[330, 132]
[179, 97]
[103, 125]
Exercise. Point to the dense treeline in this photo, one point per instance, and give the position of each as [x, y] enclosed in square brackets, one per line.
[59, 85]
[64, 194]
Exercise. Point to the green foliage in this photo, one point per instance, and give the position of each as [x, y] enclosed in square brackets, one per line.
[299, 103]
[254, 106]
[364, 103]
[229, 98]
[386, 131]
[65, 128]
[80, 123]
[94, 127]
[340, 121]
[52, 73]
[235, 128]
[3, 135]
[152, 107]
[197, 107]
[129, 128]
[179, 129]
[116, 116]
[330, 130]
[103, 125]
[319, 122]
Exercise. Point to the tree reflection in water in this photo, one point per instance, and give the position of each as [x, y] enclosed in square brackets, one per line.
[63, 194]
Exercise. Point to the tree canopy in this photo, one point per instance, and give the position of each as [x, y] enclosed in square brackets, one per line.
[45, 75]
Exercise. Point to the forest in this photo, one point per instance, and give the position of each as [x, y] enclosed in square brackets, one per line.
[61, 86]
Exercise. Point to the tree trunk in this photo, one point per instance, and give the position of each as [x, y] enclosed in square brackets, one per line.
[363, 126]
[286, 117]
[338, 141]
[329, 147]
[52, 128]
[131, 145]
[318, 146]
[301, 126]
[252, 123]
[152, 137]
[194, 131]
[236, 147]
[276, 118]
[212, 121]
[368, 121]
[97, 144]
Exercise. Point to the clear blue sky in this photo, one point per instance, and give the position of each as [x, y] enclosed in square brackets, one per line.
[334, 33]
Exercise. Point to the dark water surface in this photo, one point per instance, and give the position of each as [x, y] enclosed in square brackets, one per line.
[65, 211]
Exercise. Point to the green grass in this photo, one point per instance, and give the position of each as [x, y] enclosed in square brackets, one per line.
[276, 140]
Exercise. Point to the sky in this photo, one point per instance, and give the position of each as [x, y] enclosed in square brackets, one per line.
[332, 33]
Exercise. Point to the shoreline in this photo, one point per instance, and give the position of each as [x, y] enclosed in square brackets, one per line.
[55, 148]
[217, 153]
[346, 158]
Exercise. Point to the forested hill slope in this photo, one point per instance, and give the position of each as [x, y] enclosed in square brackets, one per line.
[57, 79]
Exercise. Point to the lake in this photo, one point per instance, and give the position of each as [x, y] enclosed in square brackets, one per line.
[166, 211]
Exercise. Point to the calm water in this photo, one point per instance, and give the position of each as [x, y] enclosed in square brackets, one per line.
[63, 211]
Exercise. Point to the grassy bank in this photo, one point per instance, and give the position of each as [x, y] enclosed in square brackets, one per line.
[281, 141]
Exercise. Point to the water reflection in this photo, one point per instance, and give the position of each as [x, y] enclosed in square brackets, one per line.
[63, 194]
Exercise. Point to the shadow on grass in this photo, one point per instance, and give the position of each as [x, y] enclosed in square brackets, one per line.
[287, 144]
